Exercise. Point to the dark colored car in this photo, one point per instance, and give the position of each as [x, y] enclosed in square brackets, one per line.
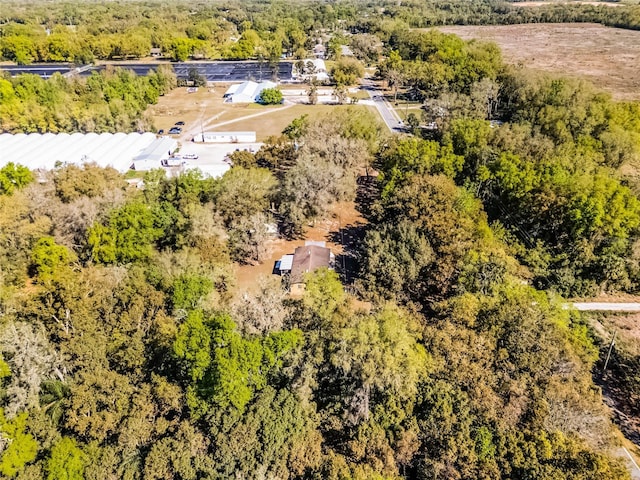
[180, 123]
[160, 132]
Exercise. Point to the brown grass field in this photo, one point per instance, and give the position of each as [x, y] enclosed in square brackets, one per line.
[205, 109]
[608, 57]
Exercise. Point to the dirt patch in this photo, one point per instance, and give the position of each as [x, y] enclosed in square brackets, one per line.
[336, 230]
[608, 57]
[552, 2]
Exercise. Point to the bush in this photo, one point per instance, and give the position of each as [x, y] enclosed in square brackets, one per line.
[270, 96]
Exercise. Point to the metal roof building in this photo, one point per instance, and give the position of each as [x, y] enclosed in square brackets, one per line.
[46, 151]
[152, 156]
[246, 92]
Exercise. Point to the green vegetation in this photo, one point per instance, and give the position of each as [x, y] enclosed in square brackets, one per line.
[271, 96]
[109, 101]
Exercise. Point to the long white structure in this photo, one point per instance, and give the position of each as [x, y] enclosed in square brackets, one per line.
[225, 137]
[46, 151]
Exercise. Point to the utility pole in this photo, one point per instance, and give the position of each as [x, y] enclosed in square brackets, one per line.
[613, 342]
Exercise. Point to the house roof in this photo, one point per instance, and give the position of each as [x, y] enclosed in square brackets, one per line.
[307, 259]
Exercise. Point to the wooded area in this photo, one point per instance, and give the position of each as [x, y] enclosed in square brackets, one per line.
[127, 350]
[81, 33]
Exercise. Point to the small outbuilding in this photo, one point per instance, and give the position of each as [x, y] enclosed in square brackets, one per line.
[319, 50]
[225, 137]
[153, 156]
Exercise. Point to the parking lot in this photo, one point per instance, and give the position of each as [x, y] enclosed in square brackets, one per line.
[211, 71]
[211, 157]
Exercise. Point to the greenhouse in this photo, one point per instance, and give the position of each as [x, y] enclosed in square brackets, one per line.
[46, 151]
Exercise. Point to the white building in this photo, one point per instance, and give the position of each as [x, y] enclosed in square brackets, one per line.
[225, 137]
[246, 92]
[47, 151]
[152, 156]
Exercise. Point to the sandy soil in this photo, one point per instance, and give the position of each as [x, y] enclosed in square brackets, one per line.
[342, 217]
[552, 2]
[608, 57]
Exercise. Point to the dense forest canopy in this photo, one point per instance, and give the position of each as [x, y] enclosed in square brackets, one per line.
[84, 32]
[127, 350]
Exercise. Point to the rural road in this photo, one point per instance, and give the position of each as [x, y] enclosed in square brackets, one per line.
[633, 466]
[606, 307]
[388, 114]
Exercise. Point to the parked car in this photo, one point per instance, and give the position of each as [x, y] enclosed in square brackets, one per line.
[175, 131]
[180, 123]
[160, 132]
[190, 156]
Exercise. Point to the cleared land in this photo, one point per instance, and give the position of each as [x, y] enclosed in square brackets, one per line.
[560, 2]
[343, 216]
[608, 57]
[206, 109]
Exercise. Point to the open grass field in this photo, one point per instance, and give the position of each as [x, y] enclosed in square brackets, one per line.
[608, 57]
[206, 110]
[572, 2]
[273, 123]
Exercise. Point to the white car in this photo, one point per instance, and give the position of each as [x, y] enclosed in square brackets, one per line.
[190, 156]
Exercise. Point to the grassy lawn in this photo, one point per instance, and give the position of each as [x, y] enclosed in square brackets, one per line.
[404, 110]
[207, 106]
[274, 123]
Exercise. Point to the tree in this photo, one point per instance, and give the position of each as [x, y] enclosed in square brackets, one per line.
[89, 180]
[66, 461]
[263, 311]
[340, 93]
[249, 238]
[381, 356]
[31, 359]
[128, 236]
[47, 257]
[347, 71]
[243, 159]
[270, 96]
[192, 346]
[14, 177]
[181, 49]
[242, 193]
[17, 447]
[189, 289]
[312, 92]
[195, 78]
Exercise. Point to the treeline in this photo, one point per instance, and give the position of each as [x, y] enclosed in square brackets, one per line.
[113, 100]
[81, 33]
[128, 352]
[549, 170]
[495, 12]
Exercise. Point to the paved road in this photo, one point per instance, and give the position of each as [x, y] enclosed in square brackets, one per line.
[633, 466]
[606, 307]
[388, 114]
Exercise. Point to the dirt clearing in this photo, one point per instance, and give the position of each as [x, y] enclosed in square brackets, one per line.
[335, 229]
[608, 57]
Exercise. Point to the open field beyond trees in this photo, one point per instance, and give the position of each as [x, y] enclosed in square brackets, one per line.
[206, 109]
[608, 57]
